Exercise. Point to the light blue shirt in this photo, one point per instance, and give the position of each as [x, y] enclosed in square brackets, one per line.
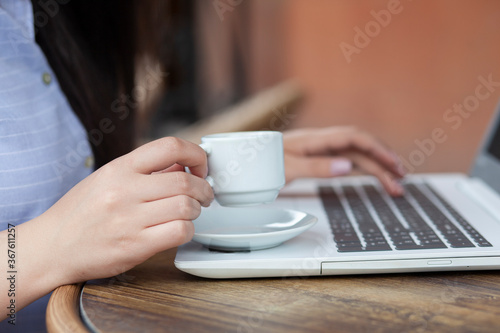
[44, 149]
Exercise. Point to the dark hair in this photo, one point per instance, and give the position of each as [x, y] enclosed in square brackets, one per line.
[92, 46]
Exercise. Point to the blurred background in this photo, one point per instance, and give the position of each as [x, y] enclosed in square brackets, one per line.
[398, 69]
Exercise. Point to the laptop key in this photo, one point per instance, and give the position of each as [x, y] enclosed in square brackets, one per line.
[469, 229]
[402, 238]
[373, 237]
[399, 235]
[449, 231]
[344, 235]
[427, 238]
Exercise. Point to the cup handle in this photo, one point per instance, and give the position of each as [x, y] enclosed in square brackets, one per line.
[207, 150]
[210, 181]
[206, 147]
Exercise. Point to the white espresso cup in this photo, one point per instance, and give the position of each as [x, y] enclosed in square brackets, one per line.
[245, 168]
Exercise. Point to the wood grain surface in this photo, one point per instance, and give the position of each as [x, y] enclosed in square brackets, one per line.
[156, 297]
[63, 310]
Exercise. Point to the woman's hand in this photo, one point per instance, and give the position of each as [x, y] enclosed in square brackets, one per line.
[337, 151]
[122, 214]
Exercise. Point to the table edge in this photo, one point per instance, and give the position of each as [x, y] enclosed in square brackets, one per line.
[63, 310]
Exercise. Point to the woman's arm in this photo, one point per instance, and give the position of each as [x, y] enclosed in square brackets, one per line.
[122, 214]
[337, 151]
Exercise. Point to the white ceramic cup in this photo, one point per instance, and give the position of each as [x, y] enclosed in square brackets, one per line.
[245, 168]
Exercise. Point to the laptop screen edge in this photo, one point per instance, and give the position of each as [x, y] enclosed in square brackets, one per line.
[486, 165]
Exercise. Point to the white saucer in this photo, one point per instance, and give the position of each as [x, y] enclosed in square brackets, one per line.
[245, 229]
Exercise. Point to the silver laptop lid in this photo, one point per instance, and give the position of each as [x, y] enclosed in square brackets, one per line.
[487, 163]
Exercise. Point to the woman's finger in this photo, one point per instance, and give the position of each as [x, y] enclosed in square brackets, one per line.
[173, 168]
[317, 167]
[163, 153]
[386, 178]
[165, 185]
[375, 149]
[334, 140]
[164, 236]
[180, 207]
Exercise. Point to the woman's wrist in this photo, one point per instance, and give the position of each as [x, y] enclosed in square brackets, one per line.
[38, 265]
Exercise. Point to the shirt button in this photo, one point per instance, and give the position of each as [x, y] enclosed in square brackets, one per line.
[89, 162]
[46, 78]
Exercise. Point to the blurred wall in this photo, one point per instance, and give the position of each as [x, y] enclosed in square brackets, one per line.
[407, 71]
[240, 48]
[400, 75]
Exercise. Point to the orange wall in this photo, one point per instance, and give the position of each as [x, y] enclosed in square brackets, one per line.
[425, 60]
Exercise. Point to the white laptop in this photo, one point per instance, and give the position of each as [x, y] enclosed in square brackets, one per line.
[445, 222]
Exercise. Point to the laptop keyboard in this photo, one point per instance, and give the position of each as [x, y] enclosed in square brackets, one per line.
[409, 222]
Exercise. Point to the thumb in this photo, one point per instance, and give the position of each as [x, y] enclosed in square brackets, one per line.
[317, 167]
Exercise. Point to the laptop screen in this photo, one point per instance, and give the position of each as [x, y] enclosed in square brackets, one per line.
[494, 144]
[487, 163]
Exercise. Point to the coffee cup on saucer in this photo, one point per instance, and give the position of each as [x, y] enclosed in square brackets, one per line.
[245, 168]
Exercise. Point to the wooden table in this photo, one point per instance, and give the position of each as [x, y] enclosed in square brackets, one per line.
[156, 297]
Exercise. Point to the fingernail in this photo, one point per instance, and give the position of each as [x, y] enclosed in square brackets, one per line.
[397, 187]
[401, 170]
[399, 166]
[340, 167]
